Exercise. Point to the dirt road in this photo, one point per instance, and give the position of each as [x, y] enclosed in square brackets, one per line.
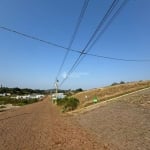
[123, 124]
[39, 126]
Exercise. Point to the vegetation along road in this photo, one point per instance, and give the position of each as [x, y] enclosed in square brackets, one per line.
[123, 124]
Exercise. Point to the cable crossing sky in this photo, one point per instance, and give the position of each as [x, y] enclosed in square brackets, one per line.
[107, 14]
[72, 50]
[102, 32]
[113, 11]
[83, 10]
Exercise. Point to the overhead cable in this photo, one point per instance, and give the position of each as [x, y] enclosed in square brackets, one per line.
[85, 53]
[83, 10]
[107, 14]
[119, 59]
[109, 11]
[108, 23]
[102, 32]
[36, 38]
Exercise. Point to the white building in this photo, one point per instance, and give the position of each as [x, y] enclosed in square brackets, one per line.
[58, 96]
[32, 96]
[5, 94]
[36, 96]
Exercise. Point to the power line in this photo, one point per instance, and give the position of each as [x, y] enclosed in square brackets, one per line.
[84, 7]
[118, 59]
[102, 32]
[100, 56]
[37, 39]
[76, 63]
[77, 51]
[108, 23]
[104, 57]
[71, 70]
[109, 11]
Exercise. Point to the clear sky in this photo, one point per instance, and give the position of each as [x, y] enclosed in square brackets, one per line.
[32, 64]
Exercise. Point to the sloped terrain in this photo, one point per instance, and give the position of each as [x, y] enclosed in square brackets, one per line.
[122, 124]
[105, 93]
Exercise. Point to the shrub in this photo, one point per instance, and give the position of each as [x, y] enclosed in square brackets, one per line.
[122, 82]
[68, 104]
[71, 104]
[79, 90]
[61, 102]
[115, 83]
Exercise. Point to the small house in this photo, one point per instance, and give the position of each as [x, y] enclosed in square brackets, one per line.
[58, 96]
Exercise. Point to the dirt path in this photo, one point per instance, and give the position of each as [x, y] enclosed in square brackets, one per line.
[123, 124]
[39, 126]
[119, 125]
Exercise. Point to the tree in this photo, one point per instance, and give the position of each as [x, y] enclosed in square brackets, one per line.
[122, 82]
[115, 83]
[79, 90]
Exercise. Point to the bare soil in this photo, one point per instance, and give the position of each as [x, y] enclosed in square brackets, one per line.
[123, 124]
[40, 126]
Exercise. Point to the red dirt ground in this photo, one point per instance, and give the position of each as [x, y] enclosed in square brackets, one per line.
[122, 124]
[39, 126]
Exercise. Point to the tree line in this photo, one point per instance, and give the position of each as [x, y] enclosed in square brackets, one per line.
[19, 91]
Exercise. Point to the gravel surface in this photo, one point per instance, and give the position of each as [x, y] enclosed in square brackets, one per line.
[123, 124]
[40, 126]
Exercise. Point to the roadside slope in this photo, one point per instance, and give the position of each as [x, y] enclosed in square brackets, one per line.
[123, 124]
[105, 93]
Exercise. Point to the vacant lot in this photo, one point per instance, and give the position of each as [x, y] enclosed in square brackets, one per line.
[123, 124]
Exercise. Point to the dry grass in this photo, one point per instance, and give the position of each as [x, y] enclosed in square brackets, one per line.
[109, 92]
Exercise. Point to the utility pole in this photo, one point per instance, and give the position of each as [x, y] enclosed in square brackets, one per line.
[56, 86]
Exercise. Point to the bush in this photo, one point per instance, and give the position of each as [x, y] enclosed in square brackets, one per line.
[61, 102]
[115, 83]
[71, 104]
[79, 90]
[20, 102]
[68, 104]
[122, 82]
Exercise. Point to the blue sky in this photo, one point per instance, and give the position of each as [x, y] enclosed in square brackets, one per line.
[32, 64]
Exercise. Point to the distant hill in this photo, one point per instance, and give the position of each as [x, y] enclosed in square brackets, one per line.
[86, 97]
